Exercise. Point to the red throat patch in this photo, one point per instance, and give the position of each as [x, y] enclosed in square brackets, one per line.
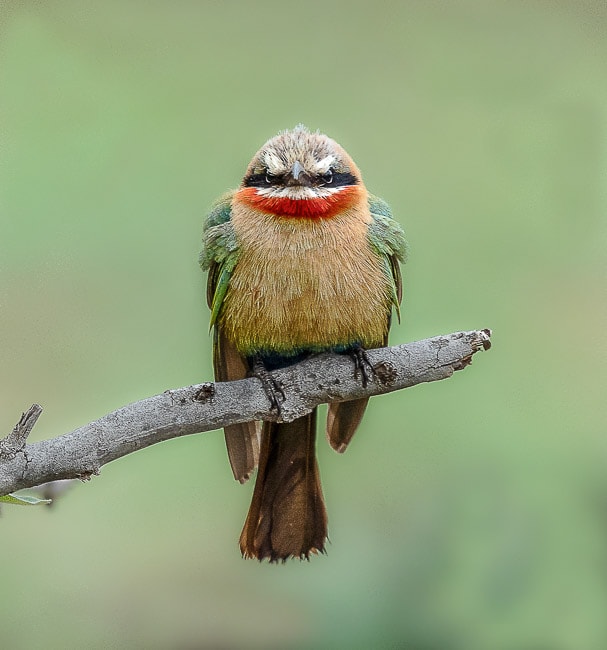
[321, 208]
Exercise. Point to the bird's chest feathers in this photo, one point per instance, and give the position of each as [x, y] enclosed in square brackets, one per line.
[304, 283]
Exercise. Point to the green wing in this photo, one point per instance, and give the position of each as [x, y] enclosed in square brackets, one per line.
[219, 257]
[387, 239]
[219, 253]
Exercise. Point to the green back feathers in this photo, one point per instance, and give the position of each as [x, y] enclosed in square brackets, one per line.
[219, 253]
[387, 239]
[385, 234]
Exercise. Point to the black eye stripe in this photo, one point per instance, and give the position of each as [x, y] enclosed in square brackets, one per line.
[340, 179]
[259, 180]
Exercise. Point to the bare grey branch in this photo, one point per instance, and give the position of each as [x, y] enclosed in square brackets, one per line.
[194, 409]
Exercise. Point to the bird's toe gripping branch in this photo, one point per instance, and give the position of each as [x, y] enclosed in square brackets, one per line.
[362, 365]
[272, 388]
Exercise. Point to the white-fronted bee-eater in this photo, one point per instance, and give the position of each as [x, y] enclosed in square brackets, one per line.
[301, 259]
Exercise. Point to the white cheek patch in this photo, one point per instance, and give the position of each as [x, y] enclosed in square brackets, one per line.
[298, 193]
[322, 166]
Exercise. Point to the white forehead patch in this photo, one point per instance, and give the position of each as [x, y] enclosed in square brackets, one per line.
[273, 163]
[322, 166]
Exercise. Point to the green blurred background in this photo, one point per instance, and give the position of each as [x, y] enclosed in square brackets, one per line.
[467, 514]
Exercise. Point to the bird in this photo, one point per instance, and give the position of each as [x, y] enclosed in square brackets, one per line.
[301, 259]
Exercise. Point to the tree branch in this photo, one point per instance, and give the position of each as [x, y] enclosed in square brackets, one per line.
[194, 409]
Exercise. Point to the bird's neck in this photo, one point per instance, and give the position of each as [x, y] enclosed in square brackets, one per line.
[318, 208]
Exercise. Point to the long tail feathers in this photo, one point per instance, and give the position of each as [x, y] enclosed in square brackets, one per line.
[242, 440]
[287, 517]
[343, 419]
[242, 443]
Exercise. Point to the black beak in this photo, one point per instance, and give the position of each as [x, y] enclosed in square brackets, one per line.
[298, 176]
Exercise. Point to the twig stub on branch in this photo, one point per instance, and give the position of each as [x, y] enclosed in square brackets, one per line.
[17, 438]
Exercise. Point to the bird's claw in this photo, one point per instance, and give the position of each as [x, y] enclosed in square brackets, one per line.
[272, 388]
[362, 365]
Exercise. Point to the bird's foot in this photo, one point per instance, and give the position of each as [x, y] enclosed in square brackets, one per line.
[272, 388]
[362, 364]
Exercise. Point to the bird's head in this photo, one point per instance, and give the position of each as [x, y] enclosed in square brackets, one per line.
[301, 174]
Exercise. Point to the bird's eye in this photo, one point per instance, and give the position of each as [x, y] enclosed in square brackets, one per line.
[327, 178]
[270, 178]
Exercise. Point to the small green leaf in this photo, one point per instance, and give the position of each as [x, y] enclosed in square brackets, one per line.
[23, 500]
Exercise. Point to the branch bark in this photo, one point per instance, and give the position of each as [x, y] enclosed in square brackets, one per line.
[194, 409]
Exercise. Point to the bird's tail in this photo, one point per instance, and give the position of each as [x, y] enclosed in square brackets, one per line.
[287, 517]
